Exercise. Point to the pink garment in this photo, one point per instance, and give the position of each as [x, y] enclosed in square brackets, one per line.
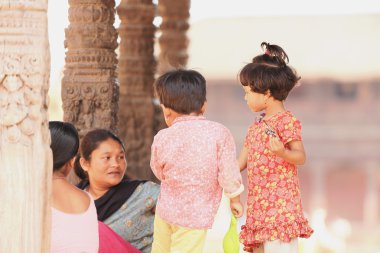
[110, 242]
[194, 159]
[74, 233]
[274, 208]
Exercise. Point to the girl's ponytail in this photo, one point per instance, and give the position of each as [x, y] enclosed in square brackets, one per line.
[273, 55]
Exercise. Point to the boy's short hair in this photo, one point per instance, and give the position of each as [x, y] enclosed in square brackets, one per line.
[183, 91]
[266, 77]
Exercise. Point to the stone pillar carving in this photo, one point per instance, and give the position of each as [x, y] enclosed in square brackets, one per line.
[173, 40]
[136, 74]
[90, 89]
[25, 155]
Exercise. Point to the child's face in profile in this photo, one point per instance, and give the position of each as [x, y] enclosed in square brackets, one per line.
[255, 101]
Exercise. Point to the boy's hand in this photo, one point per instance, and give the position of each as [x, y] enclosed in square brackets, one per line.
[236, 208]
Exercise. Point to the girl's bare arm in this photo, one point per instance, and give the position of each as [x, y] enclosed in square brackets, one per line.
[243, 158]
[295, 154]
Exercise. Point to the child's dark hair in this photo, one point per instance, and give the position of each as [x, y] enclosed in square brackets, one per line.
[64, 143]
[273, 55]
[183, 91]
[270, 72]
[89, 143]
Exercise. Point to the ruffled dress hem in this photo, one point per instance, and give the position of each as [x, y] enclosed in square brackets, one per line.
[254, 237]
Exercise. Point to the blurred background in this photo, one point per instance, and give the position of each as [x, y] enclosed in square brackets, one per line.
[334, 46]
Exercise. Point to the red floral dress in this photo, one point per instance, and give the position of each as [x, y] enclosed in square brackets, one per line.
[274, 209]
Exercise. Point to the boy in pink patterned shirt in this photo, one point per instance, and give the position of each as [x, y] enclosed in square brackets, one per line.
[194, 159]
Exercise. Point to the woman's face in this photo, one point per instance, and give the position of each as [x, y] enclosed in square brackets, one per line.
[107, 165]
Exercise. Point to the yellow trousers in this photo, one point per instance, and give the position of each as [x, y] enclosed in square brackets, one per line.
[168, 238]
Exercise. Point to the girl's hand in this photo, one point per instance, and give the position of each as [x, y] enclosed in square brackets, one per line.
[276, 146]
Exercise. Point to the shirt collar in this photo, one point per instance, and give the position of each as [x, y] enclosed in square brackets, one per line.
[188, 118]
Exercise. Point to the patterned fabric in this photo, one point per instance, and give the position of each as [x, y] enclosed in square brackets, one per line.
[274, 209]
[134, 220]
[194, 159]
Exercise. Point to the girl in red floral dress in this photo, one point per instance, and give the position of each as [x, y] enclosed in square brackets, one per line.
[272, 150]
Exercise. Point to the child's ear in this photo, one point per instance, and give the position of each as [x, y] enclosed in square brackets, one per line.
[203, 109]
[268, 94]
[166, 111]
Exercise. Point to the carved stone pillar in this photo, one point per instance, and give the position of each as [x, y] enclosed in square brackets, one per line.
[25, 155]
[89, 87]
[136, 74]
[173, 40]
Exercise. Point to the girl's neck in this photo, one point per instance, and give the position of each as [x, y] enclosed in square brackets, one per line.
[274, 108]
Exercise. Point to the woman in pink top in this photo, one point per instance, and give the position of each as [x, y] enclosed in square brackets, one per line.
[194, 159]
[74, 222]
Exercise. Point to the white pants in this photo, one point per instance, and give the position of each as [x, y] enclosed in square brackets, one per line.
[279, 247]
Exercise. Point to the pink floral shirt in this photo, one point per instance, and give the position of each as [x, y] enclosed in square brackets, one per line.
[194, 159]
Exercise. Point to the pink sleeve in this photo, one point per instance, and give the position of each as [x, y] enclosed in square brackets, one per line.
[291, 130]
[229, 174]
[154, 159]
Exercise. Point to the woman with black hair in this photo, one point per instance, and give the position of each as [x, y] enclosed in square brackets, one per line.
[75, 227]
[127, 206]
[74, 222]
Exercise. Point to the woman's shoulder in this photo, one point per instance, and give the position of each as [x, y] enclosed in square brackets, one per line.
[69, 199]
[146, 192]
[82, 198]
[148, 187]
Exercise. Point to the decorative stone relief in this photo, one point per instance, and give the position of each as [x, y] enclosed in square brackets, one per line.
[26, 162]
[173, 40]
[136, 74]
[173, 44]
[89, 86]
